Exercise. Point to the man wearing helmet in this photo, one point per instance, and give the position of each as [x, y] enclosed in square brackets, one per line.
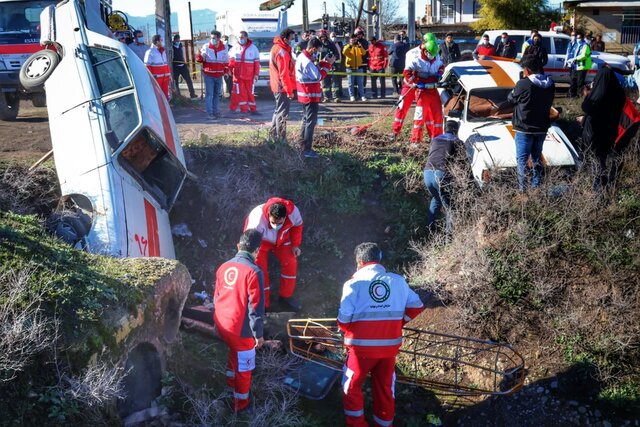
[423, 68]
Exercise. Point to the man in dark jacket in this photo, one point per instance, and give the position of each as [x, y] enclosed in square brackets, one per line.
[238, 312]
[449, 50]
[532, 97]
[180, 67]
[537, 49]
[330, 83]
[397, 55]
[442, 151]
[506, 48]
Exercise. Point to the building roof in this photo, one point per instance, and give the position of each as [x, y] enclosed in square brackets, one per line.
[592, 3]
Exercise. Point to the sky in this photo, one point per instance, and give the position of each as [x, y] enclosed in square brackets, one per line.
[147, 7]
[294, 14]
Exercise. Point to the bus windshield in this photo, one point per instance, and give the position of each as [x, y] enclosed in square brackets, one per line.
[20, 21]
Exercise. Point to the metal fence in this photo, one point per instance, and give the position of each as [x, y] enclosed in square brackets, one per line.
[630, 34]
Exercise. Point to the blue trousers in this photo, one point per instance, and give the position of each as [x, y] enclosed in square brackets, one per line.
[435, 181]
[212, 93]
[355, 81]
[529, 145]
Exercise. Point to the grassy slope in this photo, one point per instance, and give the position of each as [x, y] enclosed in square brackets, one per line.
[76, 288]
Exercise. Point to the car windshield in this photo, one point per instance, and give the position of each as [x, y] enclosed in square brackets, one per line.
[263, 44]
[20, 21]
[488, 104]
[154, 167]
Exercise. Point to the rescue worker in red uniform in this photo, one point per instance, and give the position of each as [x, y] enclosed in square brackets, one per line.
[156, 61]
[375, 305]
[238, 314]
[280, 223]
[244, 63]
[424, 68]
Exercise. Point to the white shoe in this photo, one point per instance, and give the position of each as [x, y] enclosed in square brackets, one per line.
[353, 99]
[364, 98]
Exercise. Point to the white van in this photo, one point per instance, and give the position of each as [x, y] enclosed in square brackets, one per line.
[556, 46]
[115, 143]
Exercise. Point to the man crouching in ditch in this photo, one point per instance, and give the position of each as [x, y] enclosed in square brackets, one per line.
[238, 314]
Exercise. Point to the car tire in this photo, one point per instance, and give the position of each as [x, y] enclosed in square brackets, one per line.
[9, 106]
[69, 226]
[39, 99]
[37, 69]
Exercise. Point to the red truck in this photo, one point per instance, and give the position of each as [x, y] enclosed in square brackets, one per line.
[19, 38]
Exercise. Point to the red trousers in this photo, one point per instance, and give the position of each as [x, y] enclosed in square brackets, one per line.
[383, 380]
[403, 108]
[242, 96]
[164, 85]
[428, 113]
[289, 269]
[242, 360]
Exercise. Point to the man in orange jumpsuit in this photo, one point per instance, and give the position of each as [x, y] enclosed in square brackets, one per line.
[280, 223]
[238, 313]
[244, 63]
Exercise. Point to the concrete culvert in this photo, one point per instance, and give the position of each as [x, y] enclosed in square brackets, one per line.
[171, 319]
[143, 381]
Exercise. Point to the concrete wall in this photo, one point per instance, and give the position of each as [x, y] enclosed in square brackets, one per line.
[608, 23]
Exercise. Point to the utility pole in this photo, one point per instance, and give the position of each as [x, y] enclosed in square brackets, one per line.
[411, 18]
[163, 26]
[305, 15]
[379, 29]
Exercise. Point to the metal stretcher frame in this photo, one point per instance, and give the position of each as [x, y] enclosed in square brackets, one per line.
[447, 364]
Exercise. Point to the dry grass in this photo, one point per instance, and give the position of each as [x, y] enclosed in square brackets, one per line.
[24, 330]
[556, 268]
[273, 403]
[27, 192]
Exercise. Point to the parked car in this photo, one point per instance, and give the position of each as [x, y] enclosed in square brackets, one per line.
[556, 45]
[115, 143]
[475, 94]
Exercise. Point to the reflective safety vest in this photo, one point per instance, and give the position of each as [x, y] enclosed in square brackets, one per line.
[375, 305]
[583, 57]
[419, 69]
[309, 76]
[156, 61]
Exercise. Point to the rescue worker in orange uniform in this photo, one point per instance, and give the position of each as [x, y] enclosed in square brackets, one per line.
[280, 223]
[244, 63]
[238, 314]
[423, 68]
[375, 305]
[156, 61]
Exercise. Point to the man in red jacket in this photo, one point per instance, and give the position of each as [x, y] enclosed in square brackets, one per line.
[244, 63]
[378, 62]
[215, 64]
[484, 50]
[375, 305]
[280, 223]
[238, 312]
[282, 78]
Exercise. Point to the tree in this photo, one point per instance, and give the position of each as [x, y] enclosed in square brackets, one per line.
[514, 14]
[390, 11]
